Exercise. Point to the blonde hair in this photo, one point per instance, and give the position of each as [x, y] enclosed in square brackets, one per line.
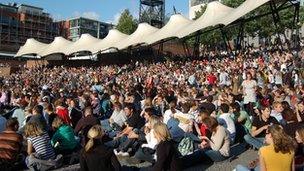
[161, 131]
[57, 122]
[301, 133]
[153, 120]
[96, 132]
[32, 129]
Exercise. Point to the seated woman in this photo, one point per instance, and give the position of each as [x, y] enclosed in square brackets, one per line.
[95, 155]
[260, 124]
[63, 140]
[217, 148]
[166, 153]
[38, 140]
[278, 155]
[147, 150]
[299, 155]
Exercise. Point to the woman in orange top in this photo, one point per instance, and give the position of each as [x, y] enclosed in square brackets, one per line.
[279, 154]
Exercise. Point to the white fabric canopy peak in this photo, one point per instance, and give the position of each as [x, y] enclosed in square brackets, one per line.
[82, 44]
[114, 36]
[213, 15]
[31, 46]
[243, 9]
[175, 23]
[59, 45]
[143, 30]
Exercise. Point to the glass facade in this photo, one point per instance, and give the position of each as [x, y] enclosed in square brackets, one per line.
[80, 26]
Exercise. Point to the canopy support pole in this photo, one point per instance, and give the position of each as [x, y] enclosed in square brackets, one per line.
[225, 39]
[196, 50]
[240, 37]
[276, 20]
[295, 27]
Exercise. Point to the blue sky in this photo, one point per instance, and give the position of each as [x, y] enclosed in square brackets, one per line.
[104, 10]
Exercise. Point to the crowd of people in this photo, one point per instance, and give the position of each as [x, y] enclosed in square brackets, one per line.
[172, 114]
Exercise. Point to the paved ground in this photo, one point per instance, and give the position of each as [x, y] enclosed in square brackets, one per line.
[243, 159]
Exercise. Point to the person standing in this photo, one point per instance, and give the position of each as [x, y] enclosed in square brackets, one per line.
[249, 93]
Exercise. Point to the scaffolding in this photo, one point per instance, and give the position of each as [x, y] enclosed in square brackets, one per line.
[152, 12]
[18, 24]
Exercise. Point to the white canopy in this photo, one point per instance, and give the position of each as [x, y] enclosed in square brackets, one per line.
[82, 44]
[59, 45]
[114, 36]
[143, 30]
[178, 26]
[243, 9]
[31, 46]
[213, 15]
[175, 23]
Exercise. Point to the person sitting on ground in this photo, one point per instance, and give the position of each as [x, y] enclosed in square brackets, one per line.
[74, 112]
[147, 150]
[278, 155]
[292, 123]
[225, 120]
[10, 142]
[299, 155]
[129, 134]
[277, 112]
[217, 148]
[95, 155]
[116, 121]
[37, 117]
[39, 148]
[166, 153]
[63, 140]
[241, 116]
[62, 112]
[259, 126]
[85, 123]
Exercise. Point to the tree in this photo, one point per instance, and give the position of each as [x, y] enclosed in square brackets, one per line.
[126, 23]
[263, 27]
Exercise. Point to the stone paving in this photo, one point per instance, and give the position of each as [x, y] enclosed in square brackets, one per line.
[243, 159]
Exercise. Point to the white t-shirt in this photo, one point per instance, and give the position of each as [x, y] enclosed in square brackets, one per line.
[249, 90]
[119, 117]
[228, 121]
[184, 126]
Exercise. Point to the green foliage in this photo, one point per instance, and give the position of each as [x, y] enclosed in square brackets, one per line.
[264, 26]
[126, 23]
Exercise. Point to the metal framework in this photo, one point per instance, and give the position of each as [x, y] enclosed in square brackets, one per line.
[152, 12]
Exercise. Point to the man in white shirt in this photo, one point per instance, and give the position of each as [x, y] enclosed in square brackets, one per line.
[225, 120]
[176, 121]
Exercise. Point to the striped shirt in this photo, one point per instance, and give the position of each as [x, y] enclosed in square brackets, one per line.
[10, 145]
[42, 146]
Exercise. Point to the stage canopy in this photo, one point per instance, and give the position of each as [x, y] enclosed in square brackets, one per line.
[175, 23]
[178, 26]
[143, 30]
[114, 36]
[58, 46]
[82, 44]
[31, 47]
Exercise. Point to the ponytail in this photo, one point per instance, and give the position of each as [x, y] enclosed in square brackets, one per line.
[89, 144]
[96, 132]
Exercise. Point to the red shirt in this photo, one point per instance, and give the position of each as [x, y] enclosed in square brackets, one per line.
[211, 79]
[203, 129]
[63, 113]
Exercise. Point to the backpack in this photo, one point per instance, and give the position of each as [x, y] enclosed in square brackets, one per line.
[185, 147]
